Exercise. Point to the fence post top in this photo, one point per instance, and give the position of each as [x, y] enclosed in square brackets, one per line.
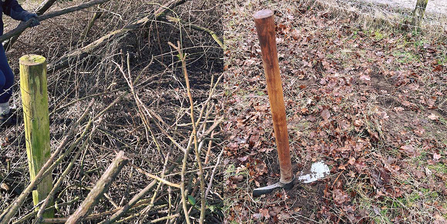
[32, 59]
[263, 14]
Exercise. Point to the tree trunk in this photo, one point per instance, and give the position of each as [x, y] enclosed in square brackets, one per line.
[419, 12]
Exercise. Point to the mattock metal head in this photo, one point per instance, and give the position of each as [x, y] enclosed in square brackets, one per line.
[270, 188]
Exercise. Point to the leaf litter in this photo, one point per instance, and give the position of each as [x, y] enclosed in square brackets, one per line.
[368, 101]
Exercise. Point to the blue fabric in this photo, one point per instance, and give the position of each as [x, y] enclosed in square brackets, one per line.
[10, 8]
[6, 77]
[25, 16]
[13, 9]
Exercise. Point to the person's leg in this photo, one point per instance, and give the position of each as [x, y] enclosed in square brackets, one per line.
[4, 106]
[5, 90]
[6, 82]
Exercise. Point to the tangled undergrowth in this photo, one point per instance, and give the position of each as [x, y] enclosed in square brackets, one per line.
[369, 101]
[128, 93]
[367, 97]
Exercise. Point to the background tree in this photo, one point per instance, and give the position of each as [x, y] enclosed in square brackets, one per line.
[419, 12]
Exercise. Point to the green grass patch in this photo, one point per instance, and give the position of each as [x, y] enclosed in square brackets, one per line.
[405, 57]
[378, 35]
[442, 60]
[440, 168]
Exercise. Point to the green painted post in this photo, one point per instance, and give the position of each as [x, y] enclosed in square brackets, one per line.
[33, 86]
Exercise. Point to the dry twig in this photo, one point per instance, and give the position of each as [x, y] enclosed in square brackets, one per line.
[101, 186]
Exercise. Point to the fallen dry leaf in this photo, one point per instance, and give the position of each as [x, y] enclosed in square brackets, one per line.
[325, 114]
[264, 212]
[4, 187]
[351, 161]
[398, 109]
[365, 78]
[436, 156]
[340, 196]
[433, 117]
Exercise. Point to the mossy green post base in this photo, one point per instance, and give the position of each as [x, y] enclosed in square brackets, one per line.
[33, 86]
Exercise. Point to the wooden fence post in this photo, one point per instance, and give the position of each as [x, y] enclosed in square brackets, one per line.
[33, 86]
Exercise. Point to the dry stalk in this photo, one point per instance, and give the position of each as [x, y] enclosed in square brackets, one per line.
[210, 183]
[45, 170]
[139, 103]
[155, 177]
[130, 204]
[59, 181]
[206, 105]
[146, 112]
[182, 58]
[101, 186]
[154, 196]
[209, 149]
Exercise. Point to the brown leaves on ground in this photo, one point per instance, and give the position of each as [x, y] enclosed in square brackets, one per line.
[369, 102]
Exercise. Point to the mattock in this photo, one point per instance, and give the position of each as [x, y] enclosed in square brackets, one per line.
[265, 26]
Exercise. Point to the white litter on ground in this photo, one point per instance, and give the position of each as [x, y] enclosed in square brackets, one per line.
[317, 171]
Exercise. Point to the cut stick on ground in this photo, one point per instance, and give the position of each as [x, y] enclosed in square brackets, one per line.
[8, 213]
[130, 204]
[97, 192]
[265, 26]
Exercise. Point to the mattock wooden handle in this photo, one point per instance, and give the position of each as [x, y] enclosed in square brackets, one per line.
[265, 26]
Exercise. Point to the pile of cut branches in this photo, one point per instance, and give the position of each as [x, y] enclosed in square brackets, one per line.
[135, 127]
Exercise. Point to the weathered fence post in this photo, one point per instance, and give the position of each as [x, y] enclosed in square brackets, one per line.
[33, 86]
